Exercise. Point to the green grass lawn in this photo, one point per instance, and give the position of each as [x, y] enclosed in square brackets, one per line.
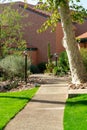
[12, 102]
[75, 114]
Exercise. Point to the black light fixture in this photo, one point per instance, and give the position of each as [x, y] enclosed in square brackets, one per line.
[56, 58]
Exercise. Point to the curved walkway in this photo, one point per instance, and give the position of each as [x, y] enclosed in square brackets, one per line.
[44, 111]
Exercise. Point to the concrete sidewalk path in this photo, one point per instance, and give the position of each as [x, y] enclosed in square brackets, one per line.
[45, 111]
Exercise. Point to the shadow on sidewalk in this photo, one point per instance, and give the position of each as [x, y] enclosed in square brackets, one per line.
[47, 101]
[34, 100]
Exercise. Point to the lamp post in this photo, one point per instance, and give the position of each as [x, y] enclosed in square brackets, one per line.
[56, 58]
[25, 53]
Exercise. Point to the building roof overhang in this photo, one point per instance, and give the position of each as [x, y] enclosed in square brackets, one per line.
[82, 38]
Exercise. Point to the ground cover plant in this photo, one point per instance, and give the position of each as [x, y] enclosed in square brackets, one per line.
[63, 65]
[13, 66]
[75, 114]
[12, 102]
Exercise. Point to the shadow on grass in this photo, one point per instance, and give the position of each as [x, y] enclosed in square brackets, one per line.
[14, 97]
[81, 102]
[34, 100]
[77, 99]
[78, 102]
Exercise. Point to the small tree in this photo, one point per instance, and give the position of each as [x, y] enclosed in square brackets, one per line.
[49, 65]
[11, 32]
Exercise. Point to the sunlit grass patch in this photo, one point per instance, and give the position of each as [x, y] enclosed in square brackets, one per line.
[12, 102]
[75, 114]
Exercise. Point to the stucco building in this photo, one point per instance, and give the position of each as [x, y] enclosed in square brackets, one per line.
[37, 43]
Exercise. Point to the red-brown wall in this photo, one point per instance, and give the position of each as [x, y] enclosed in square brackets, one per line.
[40, 41]
[59, 37]
[33, 39]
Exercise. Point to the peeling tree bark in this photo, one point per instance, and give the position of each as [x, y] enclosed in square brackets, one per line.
[77, 68]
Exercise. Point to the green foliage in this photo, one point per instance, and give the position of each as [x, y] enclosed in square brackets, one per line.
[12, 66]
[63, 65]
[11, 29]
[42, 67]
[83, 52]
[34, 69]
[58, 70]
[75, 113]
[50, 23]
[78, 14]
[12, 102]
[49, 67]
[63, 61]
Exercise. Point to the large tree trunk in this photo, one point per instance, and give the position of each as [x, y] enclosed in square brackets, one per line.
[77, 68]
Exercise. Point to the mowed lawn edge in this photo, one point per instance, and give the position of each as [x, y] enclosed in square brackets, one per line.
[75, 113]
[13, 102]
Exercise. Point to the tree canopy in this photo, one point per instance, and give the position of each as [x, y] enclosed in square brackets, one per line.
[78, 12]
[11, 28]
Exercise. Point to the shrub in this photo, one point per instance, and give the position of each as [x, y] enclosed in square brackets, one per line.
[58, 71]
[63, 60]
[63, 65]
[83, 52]
[49, 67]
[13, 65]
[34, 69]
[42, 67]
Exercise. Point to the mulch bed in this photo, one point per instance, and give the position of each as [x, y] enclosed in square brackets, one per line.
[10, 86]
[78, 86]
[37, 80]
[34, 80]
